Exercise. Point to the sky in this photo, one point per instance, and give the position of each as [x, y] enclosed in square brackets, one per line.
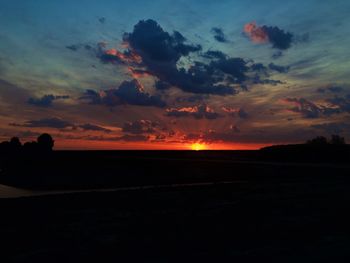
[230, 74]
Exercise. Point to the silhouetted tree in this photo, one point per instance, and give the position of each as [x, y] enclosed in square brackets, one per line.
[45, 142]
[15, 143]
[337, 140]
[30, 147]
[5, 147]
[319, 140]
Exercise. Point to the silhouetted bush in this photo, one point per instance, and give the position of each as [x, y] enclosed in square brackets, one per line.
[337, 140]
[319, 140]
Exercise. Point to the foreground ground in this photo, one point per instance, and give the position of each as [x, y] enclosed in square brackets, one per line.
[273, 212]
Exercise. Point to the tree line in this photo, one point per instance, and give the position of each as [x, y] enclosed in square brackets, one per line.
[44, 144]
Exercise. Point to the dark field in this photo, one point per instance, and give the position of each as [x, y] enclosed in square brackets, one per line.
[202, 206]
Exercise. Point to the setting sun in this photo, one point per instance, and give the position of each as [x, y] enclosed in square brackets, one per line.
[198, 147]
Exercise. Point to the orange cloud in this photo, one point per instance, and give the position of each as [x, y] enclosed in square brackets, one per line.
[139, 73]
[127, 57]
[198, 112]
[256, 33]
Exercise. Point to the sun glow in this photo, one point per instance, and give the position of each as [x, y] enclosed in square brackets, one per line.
[198, 147]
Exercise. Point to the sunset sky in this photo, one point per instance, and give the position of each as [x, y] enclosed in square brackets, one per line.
[164, 74]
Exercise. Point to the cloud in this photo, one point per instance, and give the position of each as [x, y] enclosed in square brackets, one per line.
[58, 123]
[139, 127]
[193, 98]
[46, 122]
[214, 54]
[256, 33]
[125, 138]
[115, 56]
[129, 92]
[46, 100]
[151, 51]
[234, 128]
[102, 20]
[161, 51]
[280, 69]
[76, 47]
[266, 34]
[309, 109]
[306, 108]
[73, 47]
[333, 128]
[332, 89]
[241, 113]
[92, 127]
[198, 112]
[219, 35]
[131, 138]
[152, 43]
[258, 80]
[342, 103]
[161, 85]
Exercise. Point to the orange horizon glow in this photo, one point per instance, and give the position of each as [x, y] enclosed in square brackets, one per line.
[107, 145]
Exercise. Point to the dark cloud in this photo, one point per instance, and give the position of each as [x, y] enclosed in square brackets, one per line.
[129, 92]
[278, 37]
[277, 54]
[115, 56]
[47, 123]
[235, 67]
[193, 98]
[161, 51]
[309, 109]
[333, 128]
[155, 52]
[262, 34]
[46, 100]
[152, 43]
[341, 103]
[58, 123]
[73, 47]
[219, 35]
[102, 20]
[93, 97]
[258, 80]
[131, 138]
[161, 85]
[259, 67]
[305, 107]
[92, 127]
[240, 112]
[125, 138]
[332, 89]
[139, 127]
[243, 114]
[198, 112]
[280, 69]
[262, 73]
[234, 128]
[214, 54]
[27, 134]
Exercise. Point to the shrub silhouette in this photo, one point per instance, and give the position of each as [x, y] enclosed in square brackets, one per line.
[319, 140]
[337, 140]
